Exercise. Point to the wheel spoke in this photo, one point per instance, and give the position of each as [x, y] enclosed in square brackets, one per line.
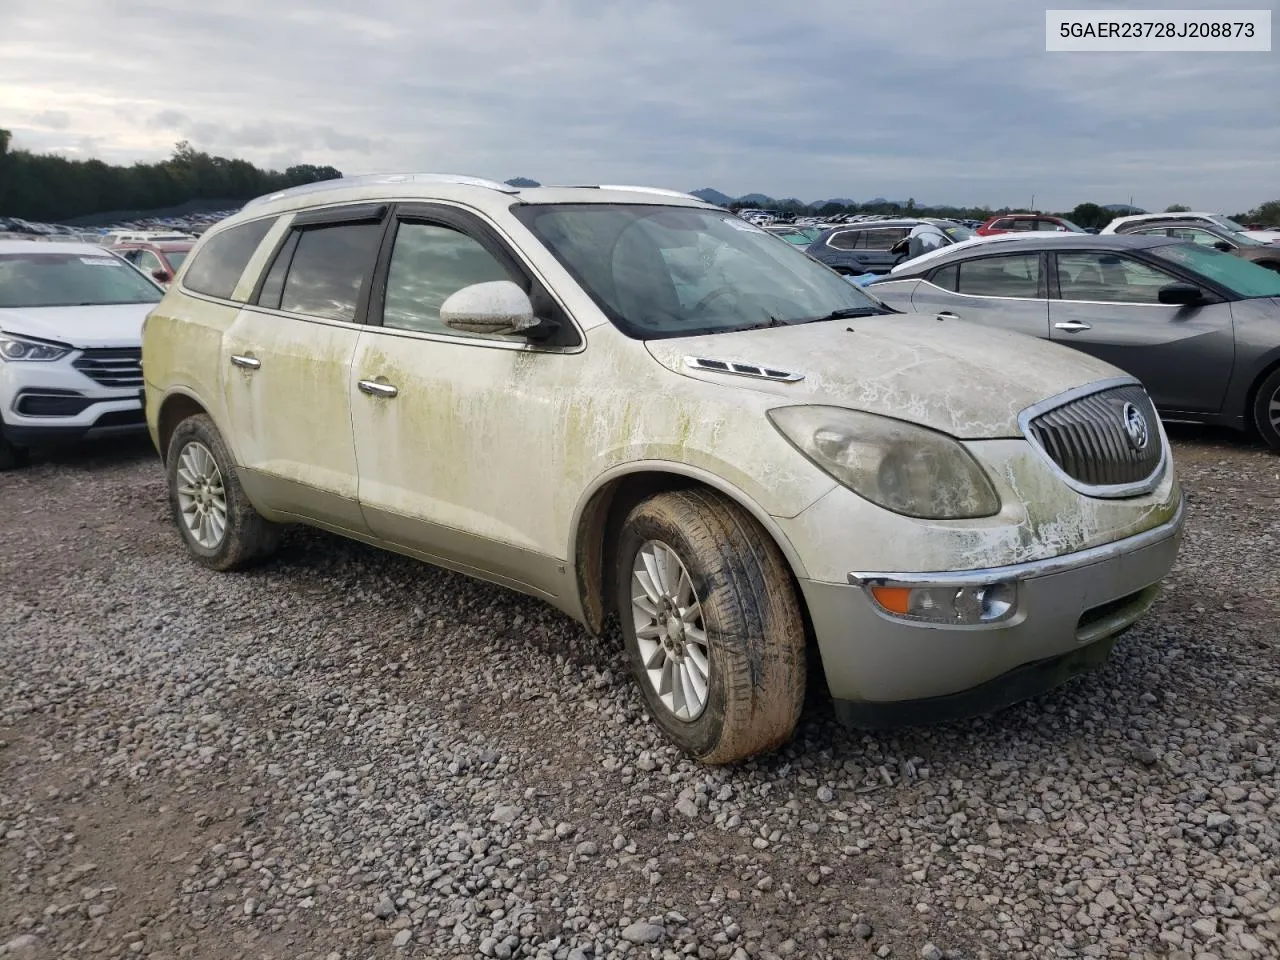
[650, 631]
[695, 686]
[651, 566]
[691, 615]
[698, 660]
[647, 585]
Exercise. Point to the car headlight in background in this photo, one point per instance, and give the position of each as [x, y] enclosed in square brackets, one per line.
[911, 470]
[18, 348]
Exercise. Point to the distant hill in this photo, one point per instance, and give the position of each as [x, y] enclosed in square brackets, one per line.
[756, 200]
[842, 201]
[522, 182]
[712, 195]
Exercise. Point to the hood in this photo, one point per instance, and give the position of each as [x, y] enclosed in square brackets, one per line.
[110, 325]
[952, 375]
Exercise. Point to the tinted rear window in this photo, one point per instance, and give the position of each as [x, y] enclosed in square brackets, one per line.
[216, 269]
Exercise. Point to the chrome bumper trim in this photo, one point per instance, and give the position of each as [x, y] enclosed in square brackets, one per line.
[1034, 568]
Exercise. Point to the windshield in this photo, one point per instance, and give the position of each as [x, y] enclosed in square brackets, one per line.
[1242, 277]
[1074, 228]
[1228, 224]
[668, 271]
[175, 257]
[71, 280]
[957, 233]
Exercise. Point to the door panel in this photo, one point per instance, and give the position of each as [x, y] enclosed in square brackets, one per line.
[1007, 292]
[286, 383]
[1110, 309]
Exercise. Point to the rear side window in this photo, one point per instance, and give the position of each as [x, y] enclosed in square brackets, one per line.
[884, 238]
[845, 240]
[945, 277]
[216, 269]
[329, 270]
[1012, 276]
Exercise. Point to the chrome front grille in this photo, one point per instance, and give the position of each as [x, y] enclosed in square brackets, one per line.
[112, 367]
[1106, 443]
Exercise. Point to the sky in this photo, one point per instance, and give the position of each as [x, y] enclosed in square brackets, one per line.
[944, 102]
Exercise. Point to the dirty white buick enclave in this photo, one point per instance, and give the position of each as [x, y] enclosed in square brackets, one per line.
[624, 400]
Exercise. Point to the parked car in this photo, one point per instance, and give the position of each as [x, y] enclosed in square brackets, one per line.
[1211, 235]
[160, 260]
[622, 399]
[1200, 328]
[1130, 224]
[868, 246]
[1027, 223]
[70, 344]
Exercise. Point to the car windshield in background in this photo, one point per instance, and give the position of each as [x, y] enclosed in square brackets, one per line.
[70, 280]
[175, 257]
[1074, 228]
[1228, 224]
[1242, 277]
[665, 271]
[958, 232]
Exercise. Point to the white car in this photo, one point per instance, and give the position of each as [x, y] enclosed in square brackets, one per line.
[70, 344]
[629, 402]
[1126, 224]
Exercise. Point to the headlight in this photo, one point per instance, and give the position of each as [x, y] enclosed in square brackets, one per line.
[908, 469]
[16, 348]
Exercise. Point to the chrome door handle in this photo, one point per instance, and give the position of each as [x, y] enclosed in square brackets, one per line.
[248, 363]
[948, 315]
[1072, 326]
[375, 389]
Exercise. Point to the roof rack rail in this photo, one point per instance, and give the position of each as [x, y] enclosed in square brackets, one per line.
[380, 179]
[659, 191]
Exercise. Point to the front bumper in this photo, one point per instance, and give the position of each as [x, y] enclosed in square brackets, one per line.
[51, 403]
[886, 671]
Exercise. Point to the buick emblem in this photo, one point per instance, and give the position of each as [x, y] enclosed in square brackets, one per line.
[1135, 427]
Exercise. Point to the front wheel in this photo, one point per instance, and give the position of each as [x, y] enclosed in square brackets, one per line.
[218, 524]
[11, 457]
[713, 628]
[1266, 410]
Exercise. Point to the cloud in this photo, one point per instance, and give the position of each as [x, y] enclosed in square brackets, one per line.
[941, 101]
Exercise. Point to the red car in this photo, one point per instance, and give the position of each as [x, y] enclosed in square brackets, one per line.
[1027, 222]
[159, 260]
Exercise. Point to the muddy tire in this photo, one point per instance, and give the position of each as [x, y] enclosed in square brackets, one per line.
[1266, 410]
[11, 457]
[217, 523]
[713, 629]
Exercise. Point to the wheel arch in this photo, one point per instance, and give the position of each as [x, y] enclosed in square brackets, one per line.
[177, 406]
[602, 508]
[1269, 366]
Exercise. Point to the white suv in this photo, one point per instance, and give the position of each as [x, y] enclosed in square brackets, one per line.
[627, 401]
[70, 344]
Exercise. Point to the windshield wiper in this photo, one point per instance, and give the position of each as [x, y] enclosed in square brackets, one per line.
[847, 313]
[773, 322]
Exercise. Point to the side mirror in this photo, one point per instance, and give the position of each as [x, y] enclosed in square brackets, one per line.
[161, 275]
[1223, 246]
[496, 307]
[1181, 294]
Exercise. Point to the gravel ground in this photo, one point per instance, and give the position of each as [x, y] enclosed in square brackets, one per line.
[346, 755]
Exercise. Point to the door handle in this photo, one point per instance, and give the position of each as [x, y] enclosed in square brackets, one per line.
[375, 389]
[1072, 326]
[248, 363]
[948, 315]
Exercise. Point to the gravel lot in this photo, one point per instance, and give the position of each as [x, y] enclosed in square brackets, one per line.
[346, 755]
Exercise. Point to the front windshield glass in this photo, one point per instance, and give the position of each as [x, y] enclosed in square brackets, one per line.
[1228, 224]
[71, 280]
[1242, 277]
[668, 271]
[958, 233]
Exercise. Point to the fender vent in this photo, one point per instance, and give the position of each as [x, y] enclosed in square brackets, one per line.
[742, 369]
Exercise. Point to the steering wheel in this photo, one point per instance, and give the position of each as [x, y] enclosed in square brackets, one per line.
[717, 292]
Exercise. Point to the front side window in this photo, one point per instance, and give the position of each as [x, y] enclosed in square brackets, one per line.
[329, 269]
[71, 279]
[1017, 275]
[884, 238]
[1244, 278]
[670, 271]
[429, 263]
[1109, 278]
[216, 269]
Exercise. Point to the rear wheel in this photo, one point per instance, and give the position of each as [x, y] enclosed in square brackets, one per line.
[1266, 410]
[218, 524]
[713, 628]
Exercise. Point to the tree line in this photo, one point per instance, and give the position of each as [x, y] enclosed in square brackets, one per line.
[48, 188]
